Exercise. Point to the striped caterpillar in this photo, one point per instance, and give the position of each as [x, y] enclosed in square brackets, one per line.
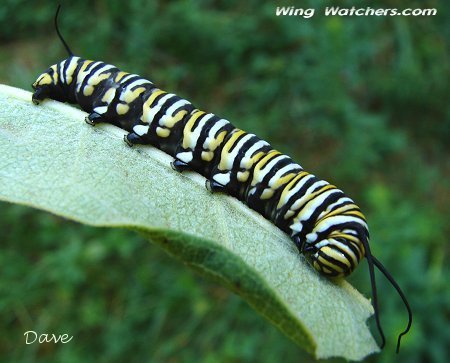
[326, 226]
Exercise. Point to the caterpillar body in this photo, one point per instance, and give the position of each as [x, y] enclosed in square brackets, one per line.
[325, 225]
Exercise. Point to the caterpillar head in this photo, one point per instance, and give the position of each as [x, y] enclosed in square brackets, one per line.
[48, 85]
[335, 256]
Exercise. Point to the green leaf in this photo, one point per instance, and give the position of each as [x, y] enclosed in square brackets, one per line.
[51, 160]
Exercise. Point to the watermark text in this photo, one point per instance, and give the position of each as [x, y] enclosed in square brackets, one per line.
[353, 11]
[31, 337]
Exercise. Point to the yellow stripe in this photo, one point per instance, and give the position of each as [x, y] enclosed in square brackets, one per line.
[109, 95]
[213, 144]
[120, 75]
[44, 80]
[262, 164]
[69, 73]
[162, 132]
[283, 180]
[82, 72]
[84, 66]
[356, 213]
[122, 109]
[289, 187]
[226, 149]
[187, 132]
[130, 96]
[170, 122]
[148, 105]
[338, 211]
[310, 198]
[55, 74]
[153, 96]
[264, 161]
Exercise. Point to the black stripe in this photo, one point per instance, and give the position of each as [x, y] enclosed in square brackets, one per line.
[332, 260]
[188, 107]
[345, 253]
[283, 210]
[285, 161]
[66, 66]
[198, 148]
[309, 224]
[333, 272]
[236, 142]
[339, 227]
[58, 70]
[242, 151]
[350, 244]
[167, 103]
[157, 99]
[90, 69]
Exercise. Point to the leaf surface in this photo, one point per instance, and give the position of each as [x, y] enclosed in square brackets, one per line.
[51, 160]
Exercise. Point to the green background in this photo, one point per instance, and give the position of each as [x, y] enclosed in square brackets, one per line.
[359, 101]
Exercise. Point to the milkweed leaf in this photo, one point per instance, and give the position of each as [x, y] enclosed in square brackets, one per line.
[51, 160]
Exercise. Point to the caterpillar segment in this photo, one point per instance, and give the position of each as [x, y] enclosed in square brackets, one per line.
[162, 120]
[203, 135]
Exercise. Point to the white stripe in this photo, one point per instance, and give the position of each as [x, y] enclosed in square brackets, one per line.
[167, 119]
[340, 201]
[62, 72]
[324, 242]
[141, 129]
[229, 160]
[284, 170]
[311, 237]
[344, 247]
[101, 109]
[212, 132]
[185, 156]
[335, 220]
[294, 190]
[100, 70]
[268, 167]
[176, 106]
[137, 82]
[155, 109]
[307, 194]
[82, 75]
[71, 68]
[350, 231]
[245, 162]
[296, 228]
[128, 76]
[223, 179]
[195, 133]
[310, 207]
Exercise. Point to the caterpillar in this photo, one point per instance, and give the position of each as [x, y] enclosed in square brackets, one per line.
[326, 226]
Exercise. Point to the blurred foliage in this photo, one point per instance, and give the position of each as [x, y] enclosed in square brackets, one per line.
[359, 101]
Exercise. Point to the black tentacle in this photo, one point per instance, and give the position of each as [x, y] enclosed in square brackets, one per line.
[59, 33]
[385, 272]
[370, 261]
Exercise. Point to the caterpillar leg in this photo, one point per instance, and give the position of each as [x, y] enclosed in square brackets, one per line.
[214, 186]
[179, 165]
[298, 243]
[303, 246]
[94, 118]
[132, 139]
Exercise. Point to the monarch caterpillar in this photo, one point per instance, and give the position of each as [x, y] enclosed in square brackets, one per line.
[325, 225]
